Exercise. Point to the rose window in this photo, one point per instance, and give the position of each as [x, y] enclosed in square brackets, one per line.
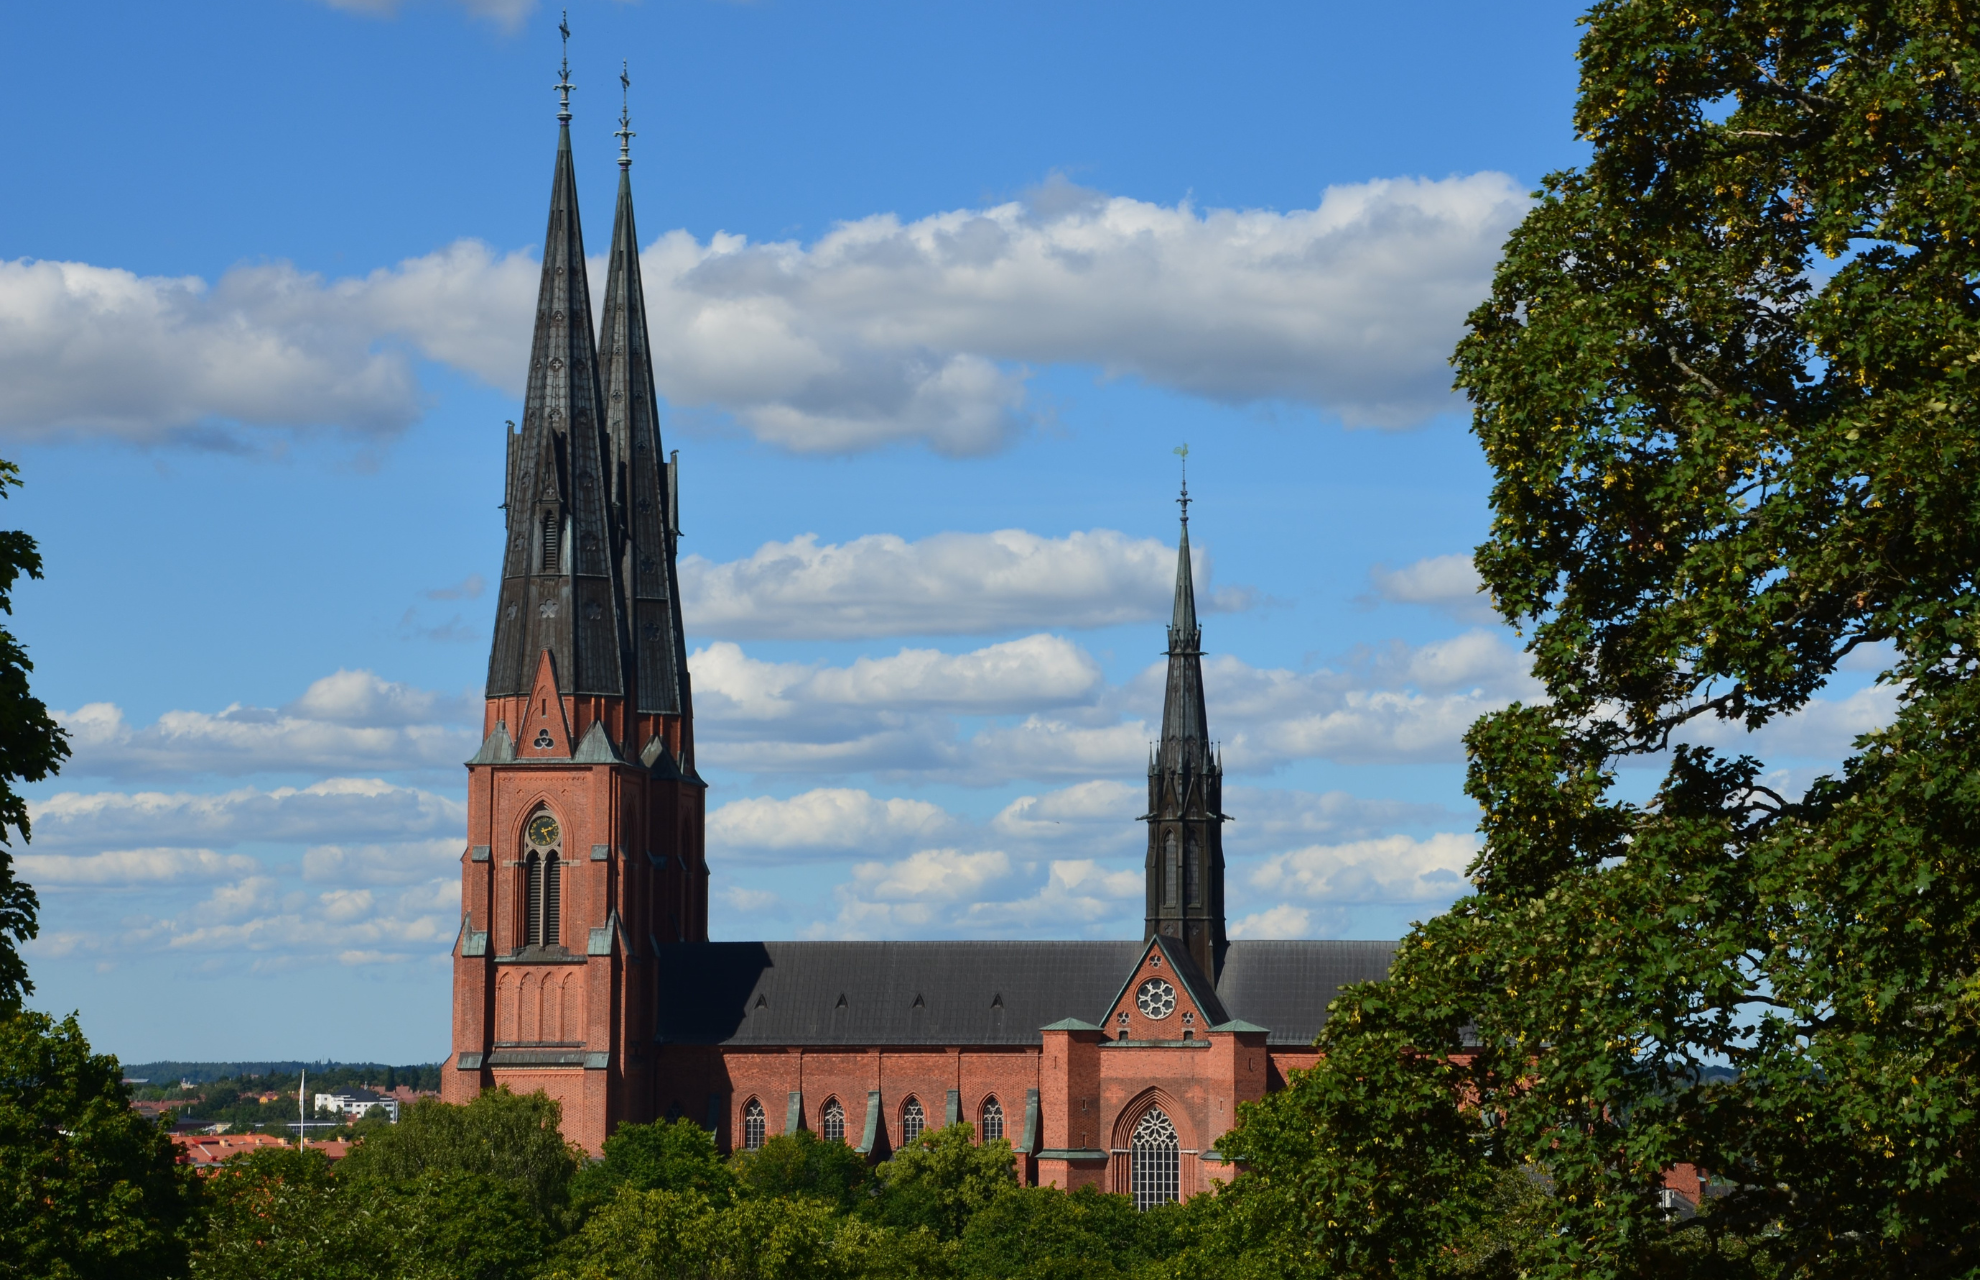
[1156, 999]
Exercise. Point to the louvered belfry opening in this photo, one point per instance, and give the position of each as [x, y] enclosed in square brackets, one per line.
[532, 900]
[552, 544]
[552, 931]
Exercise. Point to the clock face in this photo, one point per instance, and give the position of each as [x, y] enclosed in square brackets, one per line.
[542, 830]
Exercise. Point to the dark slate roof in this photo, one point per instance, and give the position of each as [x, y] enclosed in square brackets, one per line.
[969, 993]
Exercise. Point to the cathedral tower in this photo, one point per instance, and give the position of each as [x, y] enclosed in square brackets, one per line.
[1185, 795]
[585, 813]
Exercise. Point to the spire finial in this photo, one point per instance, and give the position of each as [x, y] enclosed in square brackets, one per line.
[625, 134]
[564, 85]
[1182, 451]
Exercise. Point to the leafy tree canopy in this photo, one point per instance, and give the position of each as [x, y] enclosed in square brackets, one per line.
[88, 1188]
[1728, 381]
[509, 1137]
[803, 1164]
[667, 1155]
[32, 747]
[941, 1180]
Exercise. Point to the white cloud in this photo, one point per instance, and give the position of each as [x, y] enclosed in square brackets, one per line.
[1824, 729]
[131, 866]
[877, 713]
[1447, 583]
[414, 862]
[931, 875]
[884, 331]
[334, 809]
[1389, 869]
[881, 331]
[947, 584]
[149, 358]
[1088, 813]
[506, 14]
[826, 820]
[1270, 820]
[1282, 921]
[348, 720]
[1076, 892]
[905, 715]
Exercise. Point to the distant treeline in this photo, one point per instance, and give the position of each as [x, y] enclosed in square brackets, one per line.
[424, 1075]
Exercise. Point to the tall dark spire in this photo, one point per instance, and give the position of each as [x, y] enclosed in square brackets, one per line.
[1185, 817]
[642, 492]
[560, 585]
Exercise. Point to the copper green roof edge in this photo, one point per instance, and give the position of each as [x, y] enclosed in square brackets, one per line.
[1069, 1024]
[1239, 1024]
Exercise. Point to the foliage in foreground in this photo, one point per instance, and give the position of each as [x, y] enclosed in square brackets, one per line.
[1728, 381]
[88, 1188]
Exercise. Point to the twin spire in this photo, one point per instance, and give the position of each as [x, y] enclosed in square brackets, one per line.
[589, 571]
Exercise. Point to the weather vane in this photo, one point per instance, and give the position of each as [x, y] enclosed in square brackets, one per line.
[563, 85]
[1182, 451]
[625, 135]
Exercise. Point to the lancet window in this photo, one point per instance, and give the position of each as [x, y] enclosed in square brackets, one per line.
[913, 1121]
[832, 1121]
[992, 1127]
[752, 1125]
[1155, 1155]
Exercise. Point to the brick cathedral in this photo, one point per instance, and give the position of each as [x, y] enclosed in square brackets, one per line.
[583, 966]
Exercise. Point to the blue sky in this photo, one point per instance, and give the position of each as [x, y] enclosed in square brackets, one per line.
[938, 289]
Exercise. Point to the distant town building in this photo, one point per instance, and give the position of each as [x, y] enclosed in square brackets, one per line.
[356, 1103]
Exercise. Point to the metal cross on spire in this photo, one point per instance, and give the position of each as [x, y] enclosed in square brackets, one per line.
[1182, 451]
[564, 85]
[625, 133]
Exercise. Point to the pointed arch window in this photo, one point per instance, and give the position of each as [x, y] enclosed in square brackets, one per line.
[1155, 1156]
[1192, 874]
[542, 881]
[1171, 869]
[752, 1125]
[913, 1121]
[992, 1127]
[832, 1121]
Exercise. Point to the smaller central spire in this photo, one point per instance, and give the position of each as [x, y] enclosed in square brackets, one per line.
[564, 85]
[625, 133]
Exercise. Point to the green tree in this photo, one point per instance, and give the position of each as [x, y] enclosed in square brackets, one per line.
[1042, 1233]
[803, 1164]
[277, 1215]
[680, 1235]
[667, 1155]
[450, 1225]
[88, 1188]
[941, 1180]
[32, 747]
[280, 1215]
[509, 1137]
[1728, 381]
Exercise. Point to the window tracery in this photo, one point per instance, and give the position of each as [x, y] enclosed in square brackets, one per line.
[992, 1127]
[913, 1121]
[752, 1125]
[832, 1121]
[1155, 1160]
